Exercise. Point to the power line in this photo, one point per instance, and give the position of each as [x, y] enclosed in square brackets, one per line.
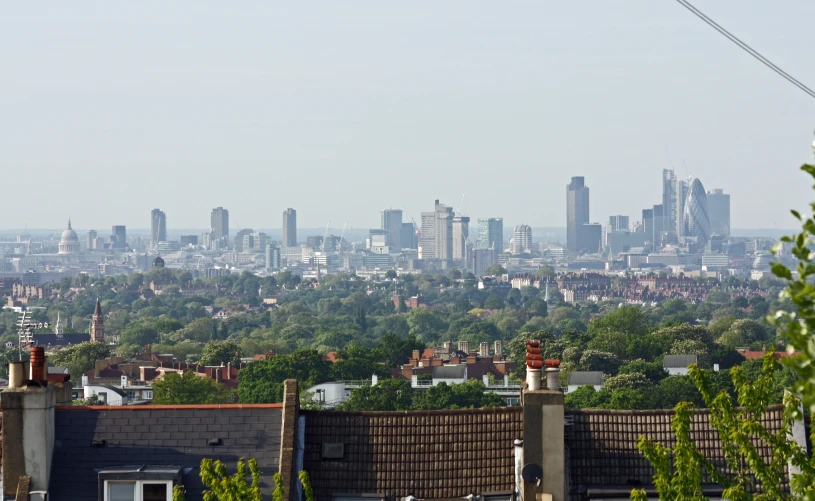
[701, 15]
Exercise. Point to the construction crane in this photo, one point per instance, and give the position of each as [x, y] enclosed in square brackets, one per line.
[342, 235]
[325, 236]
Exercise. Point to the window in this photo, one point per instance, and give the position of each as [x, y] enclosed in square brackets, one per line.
[138, 482]
[147, 394]
[103, 396]
[139, 490]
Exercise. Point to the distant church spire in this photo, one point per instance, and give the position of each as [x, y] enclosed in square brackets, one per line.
[58, 329]
[97, 324]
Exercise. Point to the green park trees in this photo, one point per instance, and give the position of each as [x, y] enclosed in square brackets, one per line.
[190, 388]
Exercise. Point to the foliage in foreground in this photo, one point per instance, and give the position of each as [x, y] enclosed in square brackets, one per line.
[680, 470]
[224, 487]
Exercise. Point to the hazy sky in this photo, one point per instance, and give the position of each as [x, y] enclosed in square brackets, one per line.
[338, 109]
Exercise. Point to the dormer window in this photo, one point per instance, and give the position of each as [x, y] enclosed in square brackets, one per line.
[138, 483]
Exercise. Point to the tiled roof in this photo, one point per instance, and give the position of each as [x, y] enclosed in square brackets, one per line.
[601, 445]
[160, 435]
[427, 454]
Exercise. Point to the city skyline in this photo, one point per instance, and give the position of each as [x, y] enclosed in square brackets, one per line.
[535, 101]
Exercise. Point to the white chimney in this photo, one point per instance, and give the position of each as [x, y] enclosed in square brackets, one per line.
[84, 380]
[124, 381]
[374, 380]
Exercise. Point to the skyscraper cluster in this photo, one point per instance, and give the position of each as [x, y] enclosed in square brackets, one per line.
[687, 216]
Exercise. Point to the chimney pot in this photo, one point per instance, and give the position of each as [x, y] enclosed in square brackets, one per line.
[37, 363]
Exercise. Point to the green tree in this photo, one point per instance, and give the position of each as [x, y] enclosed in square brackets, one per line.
[221, 486]
[744, 332]
[680, 469]
[139, 333]
[190, 388]
[545, 271]
[467, 395]
[261, 381]
[386, 395]
[221, 353]
[394, 351]
[356, 362]
[495, 270]
[586, 397]
[80, 358]
[627, 319]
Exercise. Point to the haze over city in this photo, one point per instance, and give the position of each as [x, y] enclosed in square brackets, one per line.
[341, 110]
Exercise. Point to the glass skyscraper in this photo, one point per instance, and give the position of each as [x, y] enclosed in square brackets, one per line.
[491, 234]
[718, 204]
[696, 214]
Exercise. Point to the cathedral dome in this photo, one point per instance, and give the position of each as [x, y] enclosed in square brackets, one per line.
[69, 243]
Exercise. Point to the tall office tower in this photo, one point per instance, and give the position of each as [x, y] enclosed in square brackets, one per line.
[491, 234]
[521, 239]
[648, 222]
[90, 240]
[461, 236]
[392, 223]
[669, 200]
[239, 240]
[119, 233]
[408, 236]
[618, 223]
[590, 236]
[158, 227]
[289, 228]
[682, 188]
[577, 212]
[219, 224]
[718, 205]
[696, 215]
[437, 233]
[483, 259]
[272, 257]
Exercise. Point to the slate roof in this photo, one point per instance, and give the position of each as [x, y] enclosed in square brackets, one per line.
[601, 445]
[160, 435]
[678, 361]
[585, 378]
[427, 454]
[449, 371]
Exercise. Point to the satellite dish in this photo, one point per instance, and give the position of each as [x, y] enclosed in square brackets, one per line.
[532, 473]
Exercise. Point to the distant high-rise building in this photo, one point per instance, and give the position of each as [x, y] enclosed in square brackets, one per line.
[90, 240]
[219, 224]
[618, 223]
[158, 227]
[461, 236]
[187, 240]
[669, 200]
[682, 188]
[239, 240]
[696, 215]
[408, 236]
[483, 259]
[272, 257]
[491, 234]
[437, 233]
[289, 228]
[590, 236]
[718, 205]
[521, 239]
[118, 237]
[392, 223]
[577, 213]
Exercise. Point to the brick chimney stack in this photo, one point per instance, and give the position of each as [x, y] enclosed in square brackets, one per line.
[464, 346]
[484, 349]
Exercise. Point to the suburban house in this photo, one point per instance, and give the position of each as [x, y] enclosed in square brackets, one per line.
[584, 378]
[677, 365]
[100, 453]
